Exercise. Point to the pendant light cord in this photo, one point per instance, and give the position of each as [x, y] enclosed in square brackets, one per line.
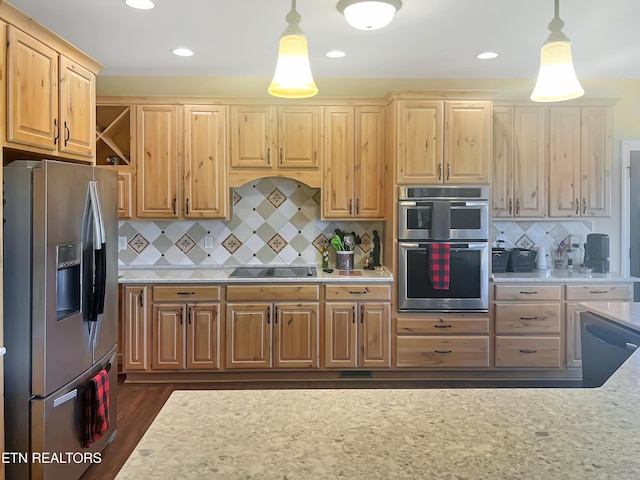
[555, 26]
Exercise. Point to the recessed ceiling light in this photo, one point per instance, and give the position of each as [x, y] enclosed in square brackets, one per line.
[335, 54]
[140, 4]
[183, 52]
[486, 55]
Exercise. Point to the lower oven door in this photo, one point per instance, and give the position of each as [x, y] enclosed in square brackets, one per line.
[468, 283]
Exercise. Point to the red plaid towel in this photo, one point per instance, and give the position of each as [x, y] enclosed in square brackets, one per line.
[439, 255]
[97, 407]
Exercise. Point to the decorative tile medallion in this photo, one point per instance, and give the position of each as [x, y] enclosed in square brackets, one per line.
[276, 198]
[317, 197]
[185, 243]
[320, 241]
[277, 243]
[138, 243]
[524, 242]
[365, 244]
[236, 197]
[231, 243]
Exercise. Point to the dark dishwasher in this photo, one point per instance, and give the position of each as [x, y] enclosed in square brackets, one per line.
[605, 347]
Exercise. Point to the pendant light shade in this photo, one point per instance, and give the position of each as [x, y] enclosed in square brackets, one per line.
[368, 14]
[293, 78]
[557, 79]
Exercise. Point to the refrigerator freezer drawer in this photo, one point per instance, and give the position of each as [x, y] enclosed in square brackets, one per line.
[63, 431]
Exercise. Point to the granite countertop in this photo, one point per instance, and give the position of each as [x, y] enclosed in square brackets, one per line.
[625, 313]
[133, 275]
[484, 433]
[560, 276]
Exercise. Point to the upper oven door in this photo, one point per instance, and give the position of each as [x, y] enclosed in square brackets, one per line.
[468, 279]
[469, 220]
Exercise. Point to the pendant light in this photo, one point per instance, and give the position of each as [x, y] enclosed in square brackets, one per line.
[557, 79]
[293, 77]
[368, 14]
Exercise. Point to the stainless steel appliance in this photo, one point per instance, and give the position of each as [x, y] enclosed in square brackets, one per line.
[464, 228]
[596, 252]
[60, 308]
[274, 272]
[605, 347]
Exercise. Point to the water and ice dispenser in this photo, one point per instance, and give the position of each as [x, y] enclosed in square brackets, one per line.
[68, 279]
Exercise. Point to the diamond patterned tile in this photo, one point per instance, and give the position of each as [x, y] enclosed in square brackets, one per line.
[125, 229]
[174, 255]
[317, 198]
[149, 256]
[266, 185]
[513, 232]
[536, 233]
[197, 232]
[138, 243]
[288, 255]
[236, 197]
[231, 243]
[524, 242]
[276, 198]
[162, 243]
[265, 209]
[558, 232]
[185, 243]
[299, 243]
[288, 208]
[319, 242]
[277, 243]
[254, 243]
[243, 255]
[366, 244]
[266, 255]
[266, 232]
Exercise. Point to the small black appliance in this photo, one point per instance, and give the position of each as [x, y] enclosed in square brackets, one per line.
[596, 252]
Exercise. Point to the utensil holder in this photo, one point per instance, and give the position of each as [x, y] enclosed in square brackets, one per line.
[345, 260]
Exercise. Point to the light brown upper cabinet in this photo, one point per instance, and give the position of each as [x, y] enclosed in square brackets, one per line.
[205, 169]
[443, 142]
[157, 161]
[580, 162]
[62, 90]
[354, 162]
[520, 156]
[274, 141]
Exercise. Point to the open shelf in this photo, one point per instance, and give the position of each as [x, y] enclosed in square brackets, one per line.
[113, 134]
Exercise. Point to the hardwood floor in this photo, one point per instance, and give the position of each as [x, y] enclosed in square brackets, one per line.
[138, 406]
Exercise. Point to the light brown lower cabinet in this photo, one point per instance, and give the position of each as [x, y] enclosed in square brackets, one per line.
[272, 334]
[528, 352]
[186, 328]
[357, 334]
[135, 329]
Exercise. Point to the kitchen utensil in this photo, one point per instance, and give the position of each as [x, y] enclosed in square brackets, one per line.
[349, 242]
[337, 243]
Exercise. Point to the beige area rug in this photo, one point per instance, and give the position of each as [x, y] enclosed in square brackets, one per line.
[388, 434]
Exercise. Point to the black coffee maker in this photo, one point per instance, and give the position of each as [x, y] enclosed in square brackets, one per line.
[596, 252]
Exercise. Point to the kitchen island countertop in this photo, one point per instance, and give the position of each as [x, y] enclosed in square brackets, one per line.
[137, 275]
[560, 276]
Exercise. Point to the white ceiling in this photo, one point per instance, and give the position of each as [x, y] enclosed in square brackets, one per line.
[427, 38]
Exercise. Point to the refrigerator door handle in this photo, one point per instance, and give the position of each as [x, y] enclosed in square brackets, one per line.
[99, 256]
[3, 351]
[65, 398]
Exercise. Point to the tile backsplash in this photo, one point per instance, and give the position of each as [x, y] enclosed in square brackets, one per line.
[275, 221]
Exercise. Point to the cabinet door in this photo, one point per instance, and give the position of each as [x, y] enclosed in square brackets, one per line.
[253, 131]
[420, 150]
[157, 161]
[502, 171]
[168, 336]
[296, 335]
[299, 137]
[340, 342]
[205, 166]
[337, 185]
[32, 91]
[467, 147]
[370, 168]
[77, 109]
[573, 338]
[564, 162]
[248, 335]
[203, 337]
[374, 335]
[596, 162]
[135, 329]
[125, 195]
[531, 151]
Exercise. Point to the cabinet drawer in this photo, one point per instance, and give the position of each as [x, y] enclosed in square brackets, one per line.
[357, 292]
[442, 352]
[598, 292]
[515, 318]
[528, 292]
[186, 293]
[443, 324]
[528, 352]
[273, 292]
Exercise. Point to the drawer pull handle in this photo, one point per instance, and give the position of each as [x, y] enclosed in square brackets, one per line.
[599, 291]
[444, 351]
[186, 293]
[364, 292]
[529, 293]
[443, 326]
[526, 350]
[528, 318]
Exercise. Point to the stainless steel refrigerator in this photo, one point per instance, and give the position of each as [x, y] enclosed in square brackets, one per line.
[60, 309]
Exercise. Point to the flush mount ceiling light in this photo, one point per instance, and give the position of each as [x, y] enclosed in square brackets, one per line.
[335, 54]
[182, 52]
[140, 4]
[293, 78]
[557, 79]
[487, 55]
[368, 14]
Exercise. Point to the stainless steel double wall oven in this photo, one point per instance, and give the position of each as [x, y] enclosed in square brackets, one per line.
[467, 234]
